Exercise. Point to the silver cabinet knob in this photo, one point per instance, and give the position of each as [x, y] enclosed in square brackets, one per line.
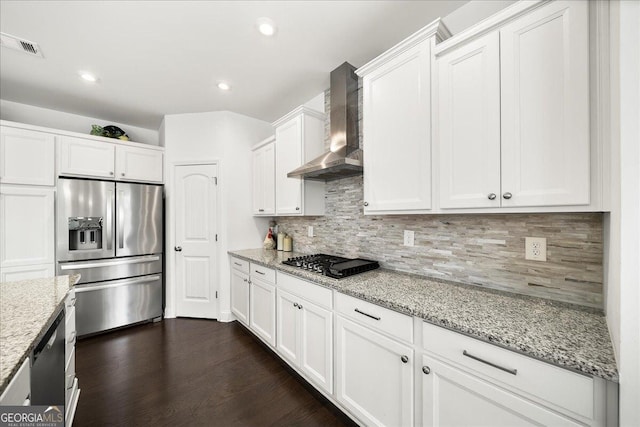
[245, 280]
[297, 209]
[111, 173]
[507, 195]
[366, 203]
[295, 304]
[426, 370]
[122, 174]
[492, 196]
[260, 210]
[178, 248]
[404, 359]
[299, 306]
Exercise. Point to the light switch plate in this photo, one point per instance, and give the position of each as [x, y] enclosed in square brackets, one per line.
[535, 248]
[409, 238]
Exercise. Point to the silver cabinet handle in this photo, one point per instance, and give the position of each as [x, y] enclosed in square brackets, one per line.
[237, 263]
[120, 220]
[259, 272]
[85, 265]
[108, 216]
[366, 203]
[178, 248]
[260, 210]
[72, 302]
[245, 280]
[404, 359]
[426, 370]
[72, 338]
[295, 304]
[507, 195]
[486, 362]
[138, 280]
[299, 306]
[367, 314]
[492, 196]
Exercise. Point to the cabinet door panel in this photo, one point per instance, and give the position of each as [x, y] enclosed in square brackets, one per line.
[316, 354]
[371, 379]
[26, 157]
[288, 158]
[545, 106]
[26, 226]
[264, 187]
[85, 157]
[288, 332]
[455, 398]
[27, 272]
[138, 164]
[469, 125]
[397, 133]
[240, 295]
[263, 310]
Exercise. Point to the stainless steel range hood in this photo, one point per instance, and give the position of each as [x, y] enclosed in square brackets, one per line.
[344, 157]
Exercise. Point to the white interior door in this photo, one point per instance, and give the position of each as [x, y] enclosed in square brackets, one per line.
[195, 242]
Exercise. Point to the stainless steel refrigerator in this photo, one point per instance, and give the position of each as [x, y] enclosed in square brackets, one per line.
[111, 233]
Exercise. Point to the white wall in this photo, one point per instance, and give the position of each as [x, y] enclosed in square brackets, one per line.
[29, 114]
[227, 138]
[472, 13]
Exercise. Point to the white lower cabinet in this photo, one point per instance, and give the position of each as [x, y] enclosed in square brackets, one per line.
[305, 338]
[452, 397]
[374, 375]
[72, 391]
[262, 305]
[240, 295]
[27, 272]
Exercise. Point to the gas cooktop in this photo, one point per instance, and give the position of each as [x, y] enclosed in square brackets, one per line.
[332, 266]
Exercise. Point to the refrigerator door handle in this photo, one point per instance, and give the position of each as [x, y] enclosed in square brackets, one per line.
[120, 219]
[89, 288]
[109, 222]
[85, 265]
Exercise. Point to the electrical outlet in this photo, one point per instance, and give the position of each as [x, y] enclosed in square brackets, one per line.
[310, 231]
[535, 248]
[409, 237]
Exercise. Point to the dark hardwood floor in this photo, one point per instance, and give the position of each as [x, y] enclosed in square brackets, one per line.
[192, 372]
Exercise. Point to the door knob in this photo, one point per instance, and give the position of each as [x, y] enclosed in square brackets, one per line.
[178, 248]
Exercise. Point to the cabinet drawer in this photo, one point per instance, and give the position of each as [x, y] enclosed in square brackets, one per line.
[557, 387]
[391, 322]
[240, 265]
[264, 273]
[307, 290]
[19, 387]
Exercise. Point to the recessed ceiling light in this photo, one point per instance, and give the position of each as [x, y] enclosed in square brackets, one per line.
[224, 86]
[88, 77]
[266, 26]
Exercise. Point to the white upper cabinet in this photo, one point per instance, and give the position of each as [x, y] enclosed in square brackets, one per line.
[86, 157]
[469, 125]
[264, 174]
[397, 125]
[138, 164]
[545, 106]
[26, 157]
[299, 139]
[513, 116]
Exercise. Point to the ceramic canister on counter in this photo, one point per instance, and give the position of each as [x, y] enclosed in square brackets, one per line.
[280, 245]
[287, 243]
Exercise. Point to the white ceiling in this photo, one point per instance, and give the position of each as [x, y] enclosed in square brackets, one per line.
[165, 57]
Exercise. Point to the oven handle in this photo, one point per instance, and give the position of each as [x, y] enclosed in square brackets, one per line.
[83, 266]
[89, 288]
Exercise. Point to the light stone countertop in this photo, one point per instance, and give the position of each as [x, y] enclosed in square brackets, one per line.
[565, 335]
[27, 309]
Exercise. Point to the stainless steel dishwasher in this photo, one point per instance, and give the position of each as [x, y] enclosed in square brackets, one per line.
[47, 368]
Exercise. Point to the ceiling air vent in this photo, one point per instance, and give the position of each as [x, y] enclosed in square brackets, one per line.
[13, 42]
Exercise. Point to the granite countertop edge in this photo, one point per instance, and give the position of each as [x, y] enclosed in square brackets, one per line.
[585, 366]
[73, 279]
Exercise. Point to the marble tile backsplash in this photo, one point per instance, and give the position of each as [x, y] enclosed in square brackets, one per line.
[485, 250]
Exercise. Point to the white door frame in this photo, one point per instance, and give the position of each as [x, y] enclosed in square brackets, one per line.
[170, 255]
